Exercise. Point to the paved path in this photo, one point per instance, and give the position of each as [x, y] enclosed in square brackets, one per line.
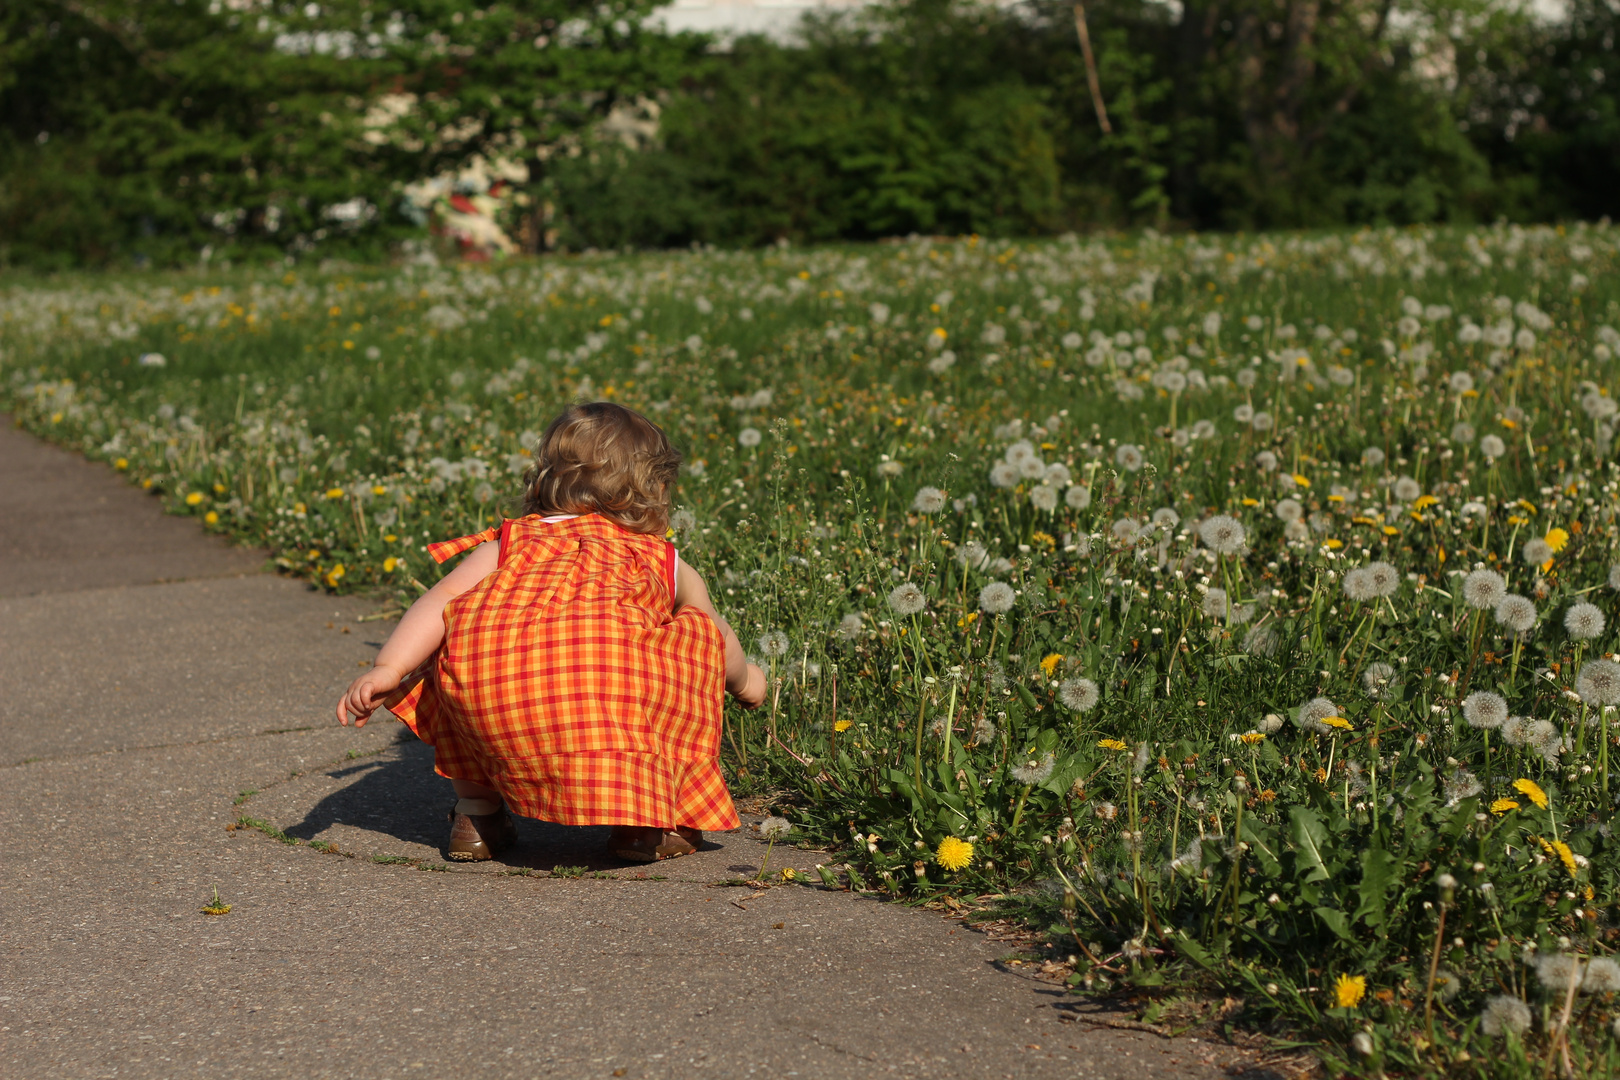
[151, 677]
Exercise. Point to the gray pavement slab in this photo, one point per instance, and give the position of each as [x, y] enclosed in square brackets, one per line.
[68, 524]
[138, 721]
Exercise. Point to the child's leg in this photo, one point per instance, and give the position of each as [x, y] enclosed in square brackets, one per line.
[471, 789]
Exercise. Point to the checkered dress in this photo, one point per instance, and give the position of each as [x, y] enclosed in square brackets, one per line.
[565, 683]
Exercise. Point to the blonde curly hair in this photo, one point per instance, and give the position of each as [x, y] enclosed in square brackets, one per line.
[602, 458]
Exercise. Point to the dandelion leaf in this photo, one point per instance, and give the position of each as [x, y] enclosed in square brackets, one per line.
[1335, 920]
[1380, 870]
[1310, 840]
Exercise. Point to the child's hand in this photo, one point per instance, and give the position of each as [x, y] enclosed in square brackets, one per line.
[752, 693]
[365, 694]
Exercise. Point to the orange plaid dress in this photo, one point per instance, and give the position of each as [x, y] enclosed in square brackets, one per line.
[565, 683]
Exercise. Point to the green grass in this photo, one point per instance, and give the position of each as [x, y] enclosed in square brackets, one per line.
[1087, 736]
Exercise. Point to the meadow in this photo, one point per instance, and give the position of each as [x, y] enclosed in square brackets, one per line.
[1244, 606]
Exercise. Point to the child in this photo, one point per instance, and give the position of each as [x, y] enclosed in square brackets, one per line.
[571, 667]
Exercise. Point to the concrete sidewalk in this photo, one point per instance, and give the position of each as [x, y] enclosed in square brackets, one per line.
[155, 686]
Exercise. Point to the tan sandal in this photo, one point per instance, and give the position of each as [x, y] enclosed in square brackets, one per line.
[652, 844]
[478, 837]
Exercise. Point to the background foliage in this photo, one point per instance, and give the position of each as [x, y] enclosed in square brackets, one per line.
[134, 131]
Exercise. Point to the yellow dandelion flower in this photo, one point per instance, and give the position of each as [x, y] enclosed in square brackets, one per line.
[389, 564]
[379, 490]
[1299, 478]
[1348, 990]
[121, 464]
[1338, 722]
[334, 493]
[211, 518]
[1557, 539]
[1251, 502]
[842, 726]
[389, 538]
[1112, 744]
[1565, 856]
[219, 488]
[1321, 775]
[194, 498]
[1049, 664]
[953, 854]
[1532, 791]
[1423, 502]
[1252, 738]
[1390, 530]
[1502, 806]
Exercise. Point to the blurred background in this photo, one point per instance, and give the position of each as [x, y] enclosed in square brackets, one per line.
[160, 132]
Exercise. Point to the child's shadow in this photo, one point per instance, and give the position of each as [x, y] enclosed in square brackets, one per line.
[401, 796]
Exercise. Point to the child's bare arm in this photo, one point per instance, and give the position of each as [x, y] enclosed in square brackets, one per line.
[745, 681]
[415, 638]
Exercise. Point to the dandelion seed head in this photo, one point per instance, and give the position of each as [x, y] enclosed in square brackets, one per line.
[1516, 613]
[1583, 621]
[774, 828]
[1614, 576]
[1602, 976]
[907, 599]
[1536, 552]
[1358, 585]
[1034, 771]
[1383, 578]
[1126, 530]
[1311, 714]
[1461, 785]
[1505, 1014]
[1043, 497]
[1492, 446]
[1288, 510]
[1557, 971]
[774, 643]
[1372, 457]
[1483, 589]
[929, 500]
[1264, 641]
[1407, 489]
[997, 598]
[1598, 682]
[1514, 730]
[1078, 694]
[849, 627]
[1379, 681]
[749, 437]
[1483, 709]
[1129, 457]
[1077, 497]
[1003, 474]
[1265, 461]
[1224, 534]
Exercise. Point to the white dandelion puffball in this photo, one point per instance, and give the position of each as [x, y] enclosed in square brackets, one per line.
[1599, 682]
[1536, 552]
[1505, 1015]
[1261, 422]
[1379, 681]
[1032, 468]
[1614, 576]
[1383, 578]
[774, 643]
[1461, 381]
[1034, 770]
[1043, 497]
[907, 599]
[1407, 489]
[1003, 474]
[1514, 730]
[1556, 971]
[997, 598]
[1126, 530]
[152, 359]
[1077, 497]
[1057, 474]
[683, 520]
[1602, 976]
[1516, 613]
[1078, 694]
[1483, 709]
[1166, 518]
[1223, 533]
[929, 500]
[1372, 457]
[1215, 604]
[1357, 585]
[972, 555]
[888, 470]
[1483, 589]
[774, 828]
[849, 627]
[1288, 510]
[942, 363]
[1583, 621]
[1311, 714]
[1462, 432]
[1492, 446]
[748, 437]
[1265, 461]
[1129, 458]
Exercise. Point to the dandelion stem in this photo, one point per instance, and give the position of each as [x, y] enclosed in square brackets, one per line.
[1434, 968]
